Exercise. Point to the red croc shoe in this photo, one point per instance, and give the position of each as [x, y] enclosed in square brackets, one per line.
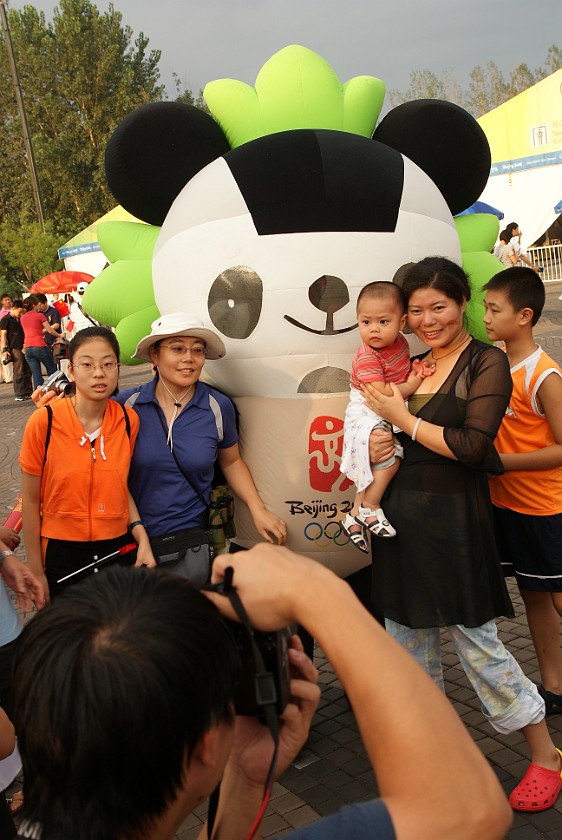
[537, 790]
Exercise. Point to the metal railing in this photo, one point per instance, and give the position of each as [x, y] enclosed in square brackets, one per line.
[550, 257]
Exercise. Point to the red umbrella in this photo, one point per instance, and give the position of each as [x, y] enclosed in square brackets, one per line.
[60, 281]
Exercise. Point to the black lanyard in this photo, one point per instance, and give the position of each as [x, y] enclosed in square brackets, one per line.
[268, 707]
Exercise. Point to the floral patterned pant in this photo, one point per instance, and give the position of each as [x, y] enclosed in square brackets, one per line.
[509, 699]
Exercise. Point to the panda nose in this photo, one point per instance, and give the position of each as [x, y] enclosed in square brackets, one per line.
[328, 294]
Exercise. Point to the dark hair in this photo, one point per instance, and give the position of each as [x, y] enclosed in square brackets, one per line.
[17, 303]
[5, 294]
[437, 273]
[522, 287]
[88, 334]
[41, 297]
[115, 683]
[380, 289]
[30, 302]
[505, 236]
[511, 227]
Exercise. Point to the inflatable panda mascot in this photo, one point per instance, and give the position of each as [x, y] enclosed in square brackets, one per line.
[265, 222]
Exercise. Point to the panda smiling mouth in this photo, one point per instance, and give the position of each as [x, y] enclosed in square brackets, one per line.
[327, 294]
[328, 330]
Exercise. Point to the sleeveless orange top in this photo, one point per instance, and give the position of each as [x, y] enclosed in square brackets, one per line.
[525, 429]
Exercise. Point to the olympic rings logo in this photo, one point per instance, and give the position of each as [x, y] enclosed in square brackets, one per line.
[330, 533]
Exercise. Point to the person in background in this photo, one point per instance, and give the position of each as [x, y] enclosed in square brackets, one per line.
[6, 371]
[7, 746]
[527, 498]
[21, 580]
[505, 252]
[11, 342]
[443, 569]
[35, 325]
[78, 319]
[53, 318]
[6, 301]
[162, 663]
[515, 241]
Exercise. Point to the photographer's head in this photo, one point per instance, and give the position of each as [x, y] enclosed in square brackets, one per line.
[123, 691]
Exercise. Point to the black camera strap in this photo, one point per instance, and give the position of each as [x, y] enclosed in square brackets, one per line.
[265, 698]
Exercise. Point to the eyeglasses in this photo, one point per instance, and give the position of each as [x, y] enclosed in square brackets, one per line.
[90, 367]
[182, 349]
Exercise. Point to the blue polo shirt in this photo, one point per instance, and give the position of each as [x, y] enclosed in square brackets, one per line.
[165, 500]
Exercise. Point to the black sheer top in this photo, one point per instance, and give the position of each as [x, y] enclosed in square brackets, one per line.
[442, 567]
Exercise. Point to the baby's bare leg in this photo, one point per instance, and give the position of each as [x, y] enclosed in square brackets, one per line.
[372, 495]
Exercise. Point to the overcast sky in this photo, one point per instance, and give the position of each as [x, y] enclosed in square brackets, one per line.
[212, 39]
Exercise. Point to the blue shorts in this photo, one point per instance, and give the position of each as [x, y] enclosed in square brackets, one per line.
[530, 547]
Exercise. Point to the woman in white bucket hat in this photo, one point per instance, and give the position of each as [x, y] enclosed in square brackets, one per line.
[186, 427]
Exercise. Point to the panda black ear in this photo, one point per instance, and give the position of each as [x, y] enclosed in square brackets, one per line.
[155, 151]
[446, 142]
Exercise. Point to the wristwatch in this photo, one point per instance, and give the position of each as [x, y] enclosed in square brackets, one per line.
[4, 554]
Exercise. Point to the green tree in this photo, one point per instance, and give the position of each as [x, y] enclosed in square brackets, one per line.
[80, 74]
[424, 84]
[487, 87]
[200, 102]
[183, 94]
[553, 61]
[27, 253]
[186, 95]
[521, 79]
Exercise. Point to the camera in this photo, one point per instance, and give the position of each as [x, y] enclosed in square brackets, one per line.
[252, 689]
[58, 383]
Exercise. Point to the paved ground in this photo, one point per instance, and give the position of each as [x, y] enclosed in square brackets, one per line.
[333, 768]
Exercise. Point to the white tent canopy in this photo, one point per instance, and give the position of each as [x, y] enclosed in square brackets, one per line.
[528, 199]
[83, 251]
[525, 136]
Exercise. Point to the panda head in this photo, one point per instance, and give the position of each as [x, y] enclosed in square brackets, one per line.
[270, 243]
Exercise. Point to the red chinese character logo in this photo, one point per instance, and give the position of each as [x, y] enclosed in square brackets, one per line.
[325, 443]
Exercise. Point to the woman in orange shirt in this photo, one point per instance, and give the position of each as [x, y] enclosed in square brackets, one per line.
[75, 460]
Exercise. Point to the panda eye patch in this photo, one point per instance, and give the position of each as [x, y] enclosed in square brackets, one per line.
[235, 301]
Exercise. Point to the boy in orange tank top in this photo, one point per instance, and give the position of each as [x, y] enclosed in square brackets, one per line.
[527, 498]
